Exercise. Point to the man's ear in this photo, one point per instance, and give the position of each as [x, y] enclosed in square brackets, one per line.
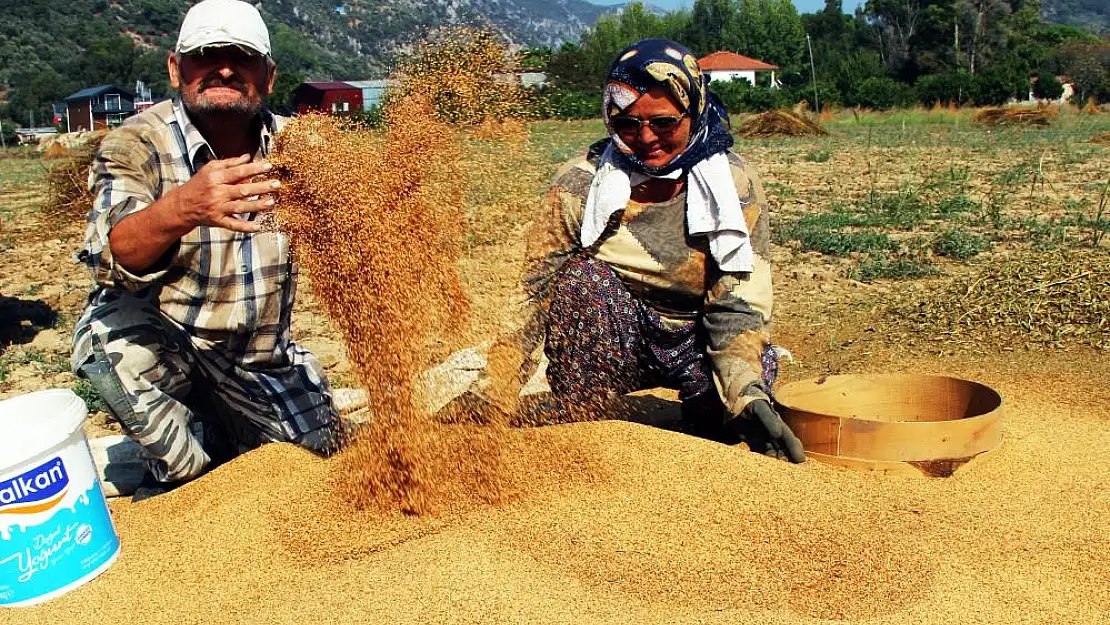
[270, 82]
[174, 71]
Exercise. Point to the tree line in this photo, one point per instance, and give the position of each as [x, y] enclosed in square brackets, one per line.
[889, 53]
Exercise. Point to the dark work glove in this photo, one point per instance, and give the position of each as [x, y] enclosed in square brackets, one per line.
[765, 432]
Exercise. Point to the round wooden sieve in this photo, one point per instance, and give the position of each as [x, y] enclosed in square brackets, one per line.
[905, 424]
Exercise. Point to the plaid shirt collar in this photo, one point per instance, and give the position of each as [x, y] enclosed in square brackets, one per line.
[197, 149]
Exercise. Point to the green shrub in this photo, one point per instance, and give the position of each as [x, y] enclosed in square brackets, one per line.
[882, 93]
[995, 86]
[892, 268]
[818, 156]
[958, 243]
[839, 217]
[819, 238]
[947, 88]
[372, 117]
[1047, 86]
[904, 209]
[7, 128]
[560, 103]
[827, 93]
[957, 204]
[739, 96]
[85, 390]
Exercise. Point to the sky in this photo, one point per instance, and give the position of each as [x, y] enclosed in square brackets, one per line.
[804, 6]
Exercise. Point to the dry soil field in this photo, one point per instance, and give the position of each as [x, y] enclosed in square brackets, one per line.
[879, 229]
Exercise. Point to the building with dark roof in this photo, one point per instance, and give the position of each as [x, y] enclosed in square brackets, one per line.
[724, 65]
[97, 108]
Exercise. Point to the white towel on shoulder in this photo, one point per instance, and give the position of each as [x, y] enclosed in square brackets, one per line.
[713, 207]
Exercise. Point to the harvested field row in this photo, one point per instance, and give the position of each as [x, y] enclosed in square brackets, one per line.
[1035, 299]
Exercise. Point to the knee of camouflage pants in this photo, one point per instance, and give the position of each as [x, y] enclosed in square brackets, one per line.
[140, 364]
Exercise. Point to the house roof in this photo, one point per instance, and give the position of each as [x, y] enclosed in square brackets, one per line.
[334, 85]
[725, 60]
[370, 84]
[92, 92]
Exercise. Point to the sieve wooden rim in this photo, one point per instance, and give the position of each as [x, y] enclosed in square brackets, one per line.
[836, 433]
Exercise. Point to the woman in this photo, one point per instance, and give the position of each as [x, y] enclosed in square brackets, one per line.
[649, 264]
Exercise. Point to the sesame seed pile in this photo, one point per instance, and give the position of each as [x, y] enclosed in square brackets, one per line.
[615, 522]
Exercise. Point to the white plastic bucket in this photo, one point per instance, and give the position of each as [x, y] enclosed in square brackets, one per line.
[55, 529]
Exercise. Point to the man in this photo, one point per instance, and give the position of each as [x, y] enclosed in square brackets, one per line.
[186, 333]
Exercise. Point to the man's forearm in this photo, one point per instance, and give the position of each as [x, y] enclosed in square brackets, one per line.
[139, 240]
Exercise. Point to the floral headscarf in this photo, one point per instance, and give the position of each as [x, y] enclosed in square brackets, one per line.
[653, 63]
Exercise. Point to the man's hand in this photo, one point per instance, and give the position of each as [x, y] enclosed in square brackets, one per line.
[765, 432]
[221, 190]
[210, 198]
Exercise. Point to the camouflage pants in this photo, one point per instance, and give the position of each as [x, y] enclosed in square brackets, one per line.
[162, 383]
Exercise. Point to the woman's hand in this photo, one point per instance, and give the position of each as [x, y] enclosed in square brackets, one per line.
[765, 432]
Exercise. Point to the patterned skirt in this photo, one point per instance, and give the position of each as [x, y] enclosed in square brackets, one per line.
[603, 341]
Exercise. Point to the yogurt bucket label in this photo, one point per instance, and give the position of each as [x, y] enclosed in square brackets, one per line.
[38, 489]
[55, 529]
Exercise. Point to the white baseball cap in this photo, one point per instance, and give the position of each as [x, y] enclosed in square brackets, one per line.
[223, 23]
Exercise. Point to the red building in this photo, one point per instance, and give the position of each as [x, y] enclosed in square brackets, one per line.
[335, 97]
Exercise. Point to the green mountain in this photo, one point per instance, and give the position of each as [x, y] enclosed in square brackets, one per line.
[51, 48]
[1086, 14]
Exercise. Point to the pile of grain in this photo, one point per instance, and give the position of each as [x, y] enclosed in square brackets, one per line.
[1015, 116]
[657, 528]
[379, 221]
[780, 123]
[1036, 299]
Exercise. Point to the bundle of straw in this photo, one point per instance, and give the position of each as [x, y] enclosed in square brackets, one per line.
[1009, 116]
[68, 178]
[780, 123]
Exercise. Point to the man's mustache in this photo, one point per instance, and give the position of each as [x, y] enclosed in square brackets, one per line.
[230, 83]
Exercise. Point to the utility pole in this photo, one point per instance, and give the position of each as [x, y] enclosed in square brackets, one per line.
[813, 75]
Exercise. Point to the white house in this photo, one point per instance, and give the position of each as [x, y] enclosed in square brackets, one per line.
[727, 66]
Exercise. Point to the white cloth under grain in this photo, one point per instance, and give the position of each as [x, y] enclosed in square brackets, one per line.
[713, 207]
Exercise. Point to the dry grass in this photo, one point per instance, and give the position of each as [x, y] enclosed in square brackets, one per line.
[68, 178]
[780, 123]
[1012, 116]
[1052, 298]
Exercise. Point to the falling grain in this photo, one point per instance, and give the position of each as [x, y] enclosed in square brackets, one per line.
[379, 221]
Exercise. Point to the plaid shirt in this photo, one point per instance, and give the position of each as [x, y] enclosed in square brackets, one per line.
[231, 290]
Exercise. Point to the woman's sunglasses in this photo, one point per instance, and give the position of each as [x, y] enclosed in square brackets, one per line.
[664, 124]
